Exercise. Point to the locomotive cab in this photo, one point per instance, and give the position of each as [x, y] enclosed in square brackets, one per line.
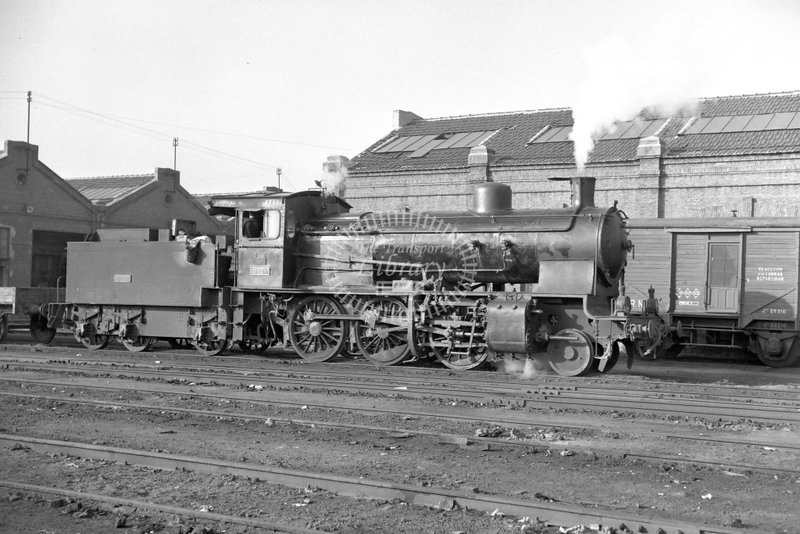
[266, 233]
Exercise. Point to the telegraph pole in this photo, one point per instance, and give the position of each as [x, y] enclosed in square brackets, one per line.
[29, 118]
[174, 153]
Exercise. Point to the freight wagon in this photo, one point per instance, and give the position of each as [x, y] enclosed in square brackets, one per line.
[722, 282]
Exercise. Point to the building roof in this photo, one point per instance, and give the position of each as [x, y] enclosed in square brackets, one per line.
[106, 190]
[720, 126]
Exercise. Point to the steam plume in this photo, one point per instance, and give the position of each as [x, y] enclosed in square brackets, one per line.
[622, 79]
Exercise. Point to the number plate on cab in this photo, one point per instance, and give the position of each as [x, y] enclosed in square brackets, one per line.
[259, 270]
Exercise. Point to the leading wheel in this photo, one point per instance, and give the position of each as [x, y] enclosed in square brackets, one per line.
[382, 336]
[570, 352]
[314, 331]
[39, 330]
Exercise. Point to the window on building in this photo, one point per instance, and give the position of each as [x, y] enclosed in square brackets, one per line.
[5, 243]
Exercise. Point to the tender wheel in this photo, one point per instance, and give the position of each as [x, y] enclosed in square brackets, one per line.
[570, 352]
[90, 339]
[209, 344]
[138, 344]
[383, 337]
[39, 330]
[3, 327]
[315, 338]
[785, 355]
[132, 341]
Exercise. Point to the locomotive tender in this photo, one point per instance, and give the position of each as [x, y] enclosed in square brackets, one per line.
[305, 273]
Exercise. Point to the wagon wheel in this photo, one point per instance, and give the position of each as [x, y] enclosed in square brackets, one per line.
[790, 353]
[570, 352]
[314, 338]
[90, 339]
[39, 330]
[385, 342]
[458, 348]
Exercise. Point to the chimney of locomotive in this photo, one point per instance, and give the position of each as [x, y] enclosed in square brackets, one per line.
[582, 192]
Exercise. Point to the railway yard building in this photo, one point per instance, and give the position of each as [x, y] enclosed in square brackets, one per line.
[722, 157]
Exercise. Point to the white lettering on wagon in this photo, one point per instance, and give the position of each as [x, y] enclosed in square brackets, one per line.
[769, 274]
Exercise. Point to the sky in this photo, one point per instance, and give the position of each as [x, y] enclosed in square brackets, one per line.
[250, 86]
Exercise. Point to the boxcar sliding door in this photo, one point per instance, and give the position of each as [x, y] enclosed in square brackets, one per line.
[708, 272]
[724, 278]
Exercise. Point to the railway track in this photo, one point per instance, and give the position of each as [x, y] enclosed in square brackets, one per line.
[552, 513]
[463, 440]
[662, 400]
[171, 387]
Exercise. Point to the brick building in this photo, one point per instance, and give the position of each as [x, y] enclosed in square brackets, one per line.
[728, 155]
[39, 213]
[146, 201]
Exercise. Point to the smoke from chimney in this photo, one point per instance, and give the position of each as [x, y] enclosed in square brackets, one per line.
[335, 175]
[622, 79]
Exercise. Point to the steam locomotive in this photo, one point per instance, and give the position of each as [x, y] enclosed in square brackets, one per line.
[304, 273]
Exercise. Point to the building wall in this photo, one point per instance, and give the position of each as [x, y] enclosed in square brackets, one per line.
[35, 199]
[653, 186]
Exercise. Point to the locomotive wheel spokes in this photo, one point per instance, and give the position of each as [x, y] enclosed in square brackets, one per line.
[457, 346]
[570, 352]
[39, 330]
[315, 338]
[385, 342]
[790, 353]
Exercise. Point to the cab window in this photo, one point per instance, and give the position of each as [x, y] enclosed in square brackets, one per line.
[261, 224]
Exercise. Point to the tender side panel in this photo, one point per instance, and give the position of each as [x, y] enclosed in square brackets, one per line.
[691, 271]
[771, 278]
[650, 265]
[148, 273]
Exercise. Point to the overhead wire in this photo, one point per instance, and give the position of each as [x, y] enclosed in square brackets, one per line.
[126, 124]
